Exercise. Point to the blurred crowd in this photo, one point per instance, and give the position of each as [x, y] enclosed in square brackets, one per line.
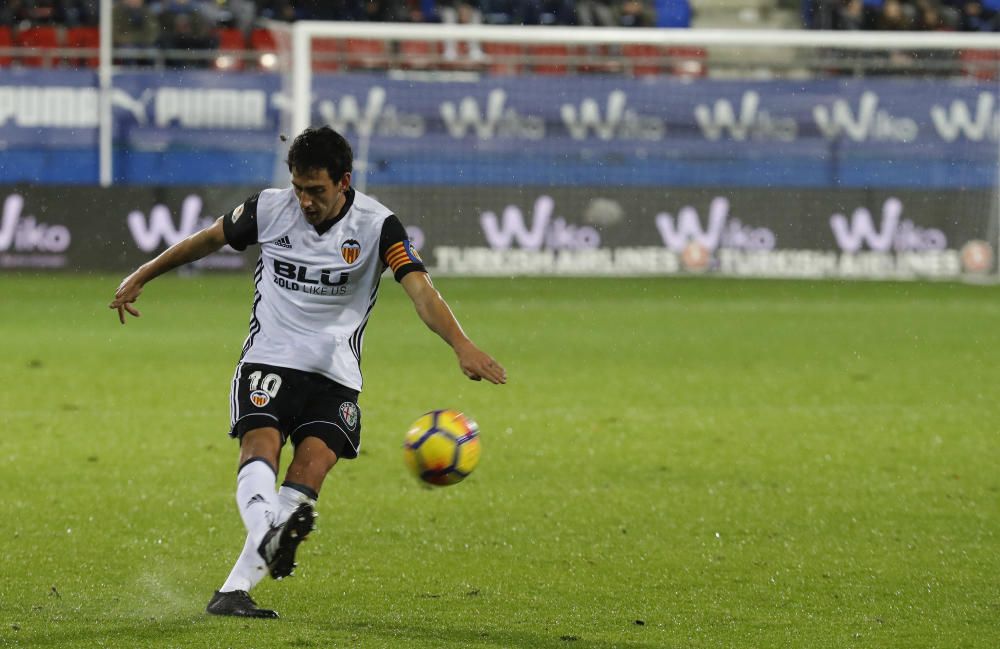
[628, 13]
[184, 25]
[70, 13]
[178, 33]
[191, 23]
[149, 21]
[910, 15]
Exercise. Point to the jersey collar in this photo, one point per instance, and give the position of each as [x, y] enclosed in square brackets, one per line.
[323, 227]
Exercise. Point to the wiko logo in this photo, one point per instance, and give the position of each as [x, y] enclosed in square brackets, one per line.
[618, 121]
[957, 121]
[374, 117]
[722, 231]
[869, 123]
[159, 229]
[893, 233]
[752, 122]
[497, 120]
[25, 234]
[545, 232]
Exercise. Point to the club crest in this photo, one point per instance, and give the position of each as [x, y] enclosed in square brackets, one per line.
[350, 249]
[260, 398]
[349, 413]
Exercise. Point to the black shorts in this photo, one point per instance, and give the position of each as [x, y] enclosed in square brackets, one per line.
[299, 404]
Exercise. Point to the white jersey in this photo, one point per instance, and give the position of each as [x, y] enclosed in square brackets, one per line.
[316, 285]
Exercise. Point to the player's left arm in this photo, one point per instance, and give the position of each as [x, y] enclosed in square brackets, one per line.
[195, 247]
[437, 315]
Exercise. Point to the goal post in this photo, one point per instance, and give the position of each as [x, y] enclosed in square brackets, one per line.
[776, 153]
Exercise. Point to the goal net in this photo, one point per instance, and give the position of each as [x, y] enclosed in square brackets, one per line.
[587, 151]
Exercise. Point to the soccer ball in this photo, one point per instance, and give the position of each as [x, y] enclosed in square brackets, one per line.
[442, 447]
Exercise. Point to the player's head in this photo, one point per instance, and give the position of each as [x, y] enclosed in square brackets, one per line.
[320, 162]
[321, 148]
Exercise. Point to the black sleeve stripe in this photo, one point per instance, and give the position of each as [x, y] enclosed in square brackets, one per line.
[395, 251]
[403, 271]
[240, 224]
[392, 232]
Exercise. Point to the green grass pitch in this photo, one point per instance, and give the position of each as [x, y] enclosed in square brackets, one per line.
[674, 463]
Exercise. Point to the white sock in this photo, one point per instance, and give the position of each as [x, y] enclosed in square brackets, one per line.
[289, 498]
[248, 571]
[250, 567]
[256, 498]
[259, 509]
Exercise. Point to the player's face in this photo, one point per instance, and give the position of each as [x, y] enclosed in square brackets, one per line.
[319, 196]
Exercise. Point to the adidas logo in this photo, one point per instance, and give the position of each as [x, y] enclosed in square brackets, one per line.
[283, 242]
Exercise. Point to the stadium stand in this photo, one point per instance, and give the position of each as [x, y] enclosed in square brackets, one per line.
[504, 58]
[551, 59]
[87, 40]
[910, 15]
[264, 48]
[327, 55]
[419, 55]
[6, 42]
[366, 54]
[232, 48]
[227, 35]
[42, 41]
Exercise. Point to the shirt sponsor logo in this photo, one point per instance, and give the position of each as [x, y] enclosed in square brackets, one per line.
[310, 280]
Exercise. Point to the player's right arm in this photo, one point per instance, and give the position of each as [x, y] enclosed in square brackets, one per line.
[198, 245]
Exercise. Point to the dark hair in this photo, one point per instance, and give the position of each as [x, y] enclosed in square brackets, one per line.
[321, 148]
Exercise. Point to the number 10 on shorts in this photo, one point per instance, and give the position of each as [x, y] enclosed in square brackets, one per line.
[263, 389]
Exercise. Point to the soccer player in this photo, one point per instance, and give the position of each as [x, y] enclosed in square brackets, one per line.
[323, 249]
